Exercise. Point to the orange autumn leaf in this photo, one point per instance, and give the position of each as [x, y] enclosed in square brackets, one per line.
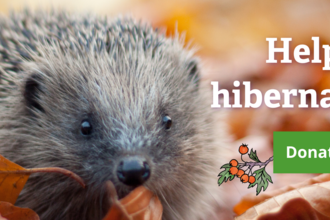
[13, 178]
[10, 212]
[315, 191]
[10, 185]
[140, 204]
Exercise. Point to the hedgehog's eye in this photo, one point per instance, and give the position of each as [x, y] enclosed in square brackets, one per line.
[86, 127]
[167, 122]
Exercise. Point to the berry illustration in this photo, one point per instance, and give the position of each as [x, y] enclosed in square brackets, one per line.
[250, 170]
[244, 178]
[243, 149]
[240, 173]
[233, 163]
[252, 179]
[233, 170]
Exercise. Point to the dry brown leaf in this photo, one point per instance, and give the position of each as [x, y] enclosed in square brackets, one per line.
[297, 208]
[140, 204]
[294, 209]
[13, 178]
[251, 199]
[10, 212]
[316, 191]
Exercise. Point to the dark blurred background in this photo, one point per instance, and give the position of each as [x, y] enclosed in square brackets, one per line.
[232, 36]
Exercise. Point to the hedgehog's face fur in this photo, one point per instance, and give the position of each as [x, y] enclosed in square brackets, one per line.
[123, 90]
[125, 106]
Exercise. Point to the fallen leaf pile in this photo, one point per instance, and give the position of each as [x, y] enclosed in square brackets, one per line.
[140, 204]
[307, 200]
[12, 180]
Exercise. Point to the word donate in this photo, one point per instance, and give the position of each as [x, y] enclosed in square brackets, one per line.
[301, 151]
[309, 153]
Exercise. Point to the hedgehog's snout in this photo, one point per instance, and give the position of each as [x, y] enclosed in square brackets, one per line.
[133, 170]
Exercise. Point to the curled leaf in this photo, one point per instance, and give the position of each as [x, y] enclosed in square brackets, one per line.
[140, 204]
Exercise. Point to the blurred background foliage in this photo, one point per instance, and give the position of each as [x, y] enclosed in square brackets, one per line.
[231, 35]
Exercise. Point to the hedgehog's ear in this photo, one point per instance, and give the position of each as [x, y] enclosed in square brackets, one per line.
[32, 90]
[193, 70]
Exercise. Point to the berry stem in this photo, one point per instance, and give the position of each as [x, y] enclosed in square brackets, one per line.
[47, 170]
[253, 164]
[242, 158]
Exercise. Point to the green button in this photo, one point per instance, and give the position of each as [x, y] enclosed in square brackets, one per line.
[301, 152]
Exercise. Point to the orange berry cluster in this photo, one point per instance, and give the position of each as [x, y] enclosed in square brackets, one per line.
[240, 173]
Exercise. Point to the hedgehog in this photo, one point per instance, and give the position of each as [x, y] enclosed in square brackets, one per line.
[110, 99]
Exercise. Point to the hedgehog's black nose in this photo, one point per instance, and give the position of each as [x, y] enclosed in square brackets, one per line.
[133, 171]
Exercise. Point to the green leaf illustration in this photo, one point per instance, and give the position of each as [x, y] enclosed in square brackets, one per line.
[262, 179]
[225, 175]
[253, 155]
